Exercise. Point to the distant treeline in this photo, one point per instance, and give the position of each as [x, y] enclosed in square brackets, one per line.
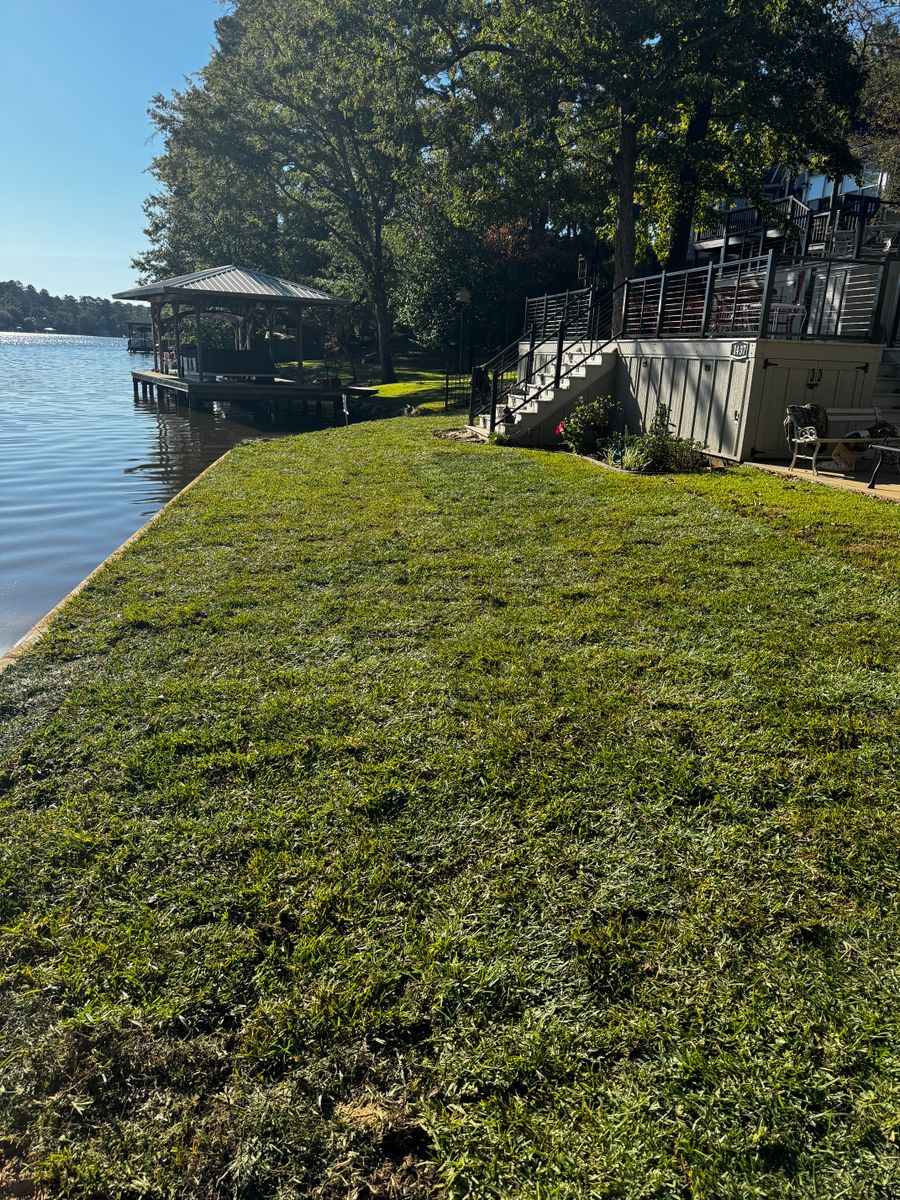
[23, 307]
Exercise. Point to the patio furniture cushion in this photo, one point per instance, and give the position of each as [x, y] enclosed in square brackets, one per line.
[805, 423]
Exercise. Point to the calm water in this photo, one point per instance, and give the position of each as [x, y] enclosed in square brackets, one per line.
[82, 465]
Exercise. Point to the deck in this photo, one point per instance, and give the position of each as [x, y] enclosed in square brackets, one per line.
[281, 397]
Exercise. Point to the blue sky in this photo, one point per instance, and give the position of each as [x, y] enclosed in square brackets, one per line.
[75, 80]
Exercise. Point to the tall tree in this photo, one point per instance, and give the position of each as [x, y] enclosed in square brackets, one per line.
[777, 88]
[649, 82]
[877, 129]
[314, 97]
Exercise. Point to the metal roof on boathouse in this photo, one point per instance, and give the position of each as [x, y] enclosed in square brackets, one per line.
[236, 283]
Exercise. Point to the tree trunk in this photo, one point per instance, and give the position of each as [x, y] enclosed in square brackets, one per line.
[688, 186]
[383, 319]
[625, 244]
[385, 327]
[626, 166]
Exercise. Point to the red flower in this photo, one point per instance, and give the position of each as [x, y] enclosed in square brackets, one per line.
[560, 429]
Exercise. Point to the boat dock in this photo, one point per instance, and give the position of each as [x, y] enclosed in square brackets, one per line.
[278, 398]
[193, 368]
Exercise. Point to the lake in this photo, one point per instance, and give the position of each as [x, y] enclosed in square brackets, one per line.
[83, 465]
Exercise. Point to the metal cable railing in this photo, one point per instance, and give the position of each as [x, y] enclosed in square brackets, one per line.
[603, 320]
[504, 378]
[760, 296]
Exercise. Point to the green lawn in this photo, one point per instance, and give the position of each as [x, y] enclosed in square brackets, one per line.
[401, 818]
[420, 380]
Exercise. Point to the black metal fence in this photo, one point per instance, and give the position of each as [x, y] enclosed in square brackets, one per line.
[544, 313]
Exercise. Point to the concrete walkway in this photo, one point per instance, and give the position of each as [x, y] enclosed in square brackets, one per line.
[887, 487]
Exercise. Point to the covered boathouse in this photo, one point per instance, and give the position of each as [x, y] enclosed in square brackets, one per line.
[253, 307]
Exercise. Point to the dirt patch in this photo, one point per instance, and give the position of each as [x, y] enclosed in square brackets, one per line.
[459, 435]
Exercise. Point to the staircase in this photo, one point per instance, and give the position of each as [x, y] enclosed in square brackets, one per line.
[534, 408]
[567, 353]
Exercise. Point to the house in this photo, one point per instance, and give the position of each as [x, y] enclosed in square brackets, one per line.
[792, 300]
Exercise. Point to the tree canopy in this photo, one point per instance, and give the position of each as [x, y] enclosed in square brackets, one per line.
[24, 307]
[401, 152]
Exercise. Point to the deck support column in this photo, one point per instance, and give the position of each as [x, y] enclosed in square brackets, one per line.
[299, 344]
[726, 234]
[154, 333]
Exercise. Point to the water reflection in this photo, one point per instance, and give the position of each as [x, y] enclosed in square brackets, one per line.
[83, 464]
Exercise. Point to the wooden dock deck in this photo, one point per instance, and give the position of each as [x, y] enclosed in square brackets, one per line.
[279, 398]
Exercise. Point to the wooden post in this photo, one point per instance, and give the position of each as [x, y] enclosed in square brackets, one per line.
[860, 230]
[726, 221]
[199, 348]
[175, 308]
[154, 334]
[299, 343]
[495, 387]
[134, 386]
[807, 233]
[270, 328]
[766, 302]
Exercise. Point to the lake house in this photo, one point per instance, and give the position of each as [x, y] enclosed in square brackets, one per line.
[790, 301]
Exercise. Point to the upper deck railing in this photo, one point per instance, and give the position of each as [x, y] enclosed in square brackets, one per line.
[760, 296]
[832, 230]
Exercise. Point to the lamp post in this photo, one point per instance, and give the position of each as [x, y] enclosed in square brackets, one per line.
[463, 299]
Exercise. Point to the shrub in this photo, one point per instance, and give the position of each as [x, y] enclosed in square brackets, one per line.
[660, 450]
[588, 424]
[633, 458]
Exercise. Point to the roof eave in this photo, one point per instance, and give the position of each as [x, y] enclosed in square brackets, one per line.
[154, 292]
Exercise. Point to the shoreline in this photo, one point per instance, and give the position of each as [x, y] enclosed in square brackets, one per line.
[33, 635]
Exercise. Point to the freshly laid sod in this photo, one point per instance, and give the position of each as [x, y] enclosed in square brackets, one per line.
[406, 818]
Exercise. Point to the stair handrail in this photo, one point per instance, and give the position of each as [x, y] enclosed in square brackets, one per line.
[559, 374]
[510, 359]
